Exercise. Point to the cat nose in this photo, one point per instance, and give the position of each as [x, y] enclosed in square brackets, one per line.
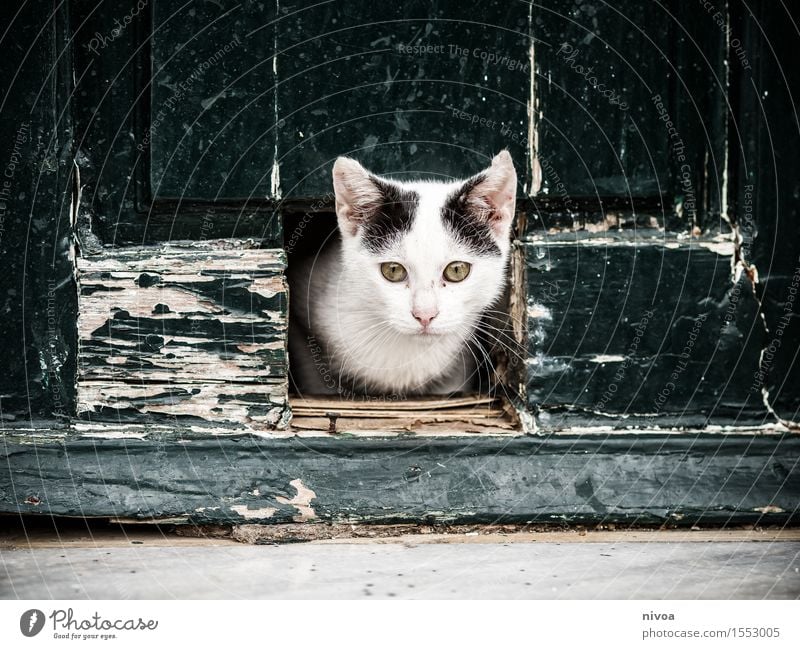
[424, 316]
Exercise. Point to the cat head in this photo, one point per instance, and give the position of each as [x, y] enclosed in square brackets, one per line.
[428, 256]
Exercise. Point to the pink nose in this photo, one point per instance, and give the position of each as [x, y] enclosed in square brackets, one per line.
[424, 316]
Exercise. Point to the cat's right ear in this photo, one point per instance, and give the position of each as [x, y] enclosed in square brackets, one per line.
[357, 197]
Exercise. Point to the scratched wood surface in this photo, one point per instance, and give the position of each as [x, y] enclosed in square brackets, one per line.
[184, 330]
[627, 331]
[644, 479]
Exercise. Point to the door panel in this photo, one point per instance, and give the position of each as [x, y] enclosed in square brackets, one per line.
[598, 66]
[118, 127]
[630, 332]
[632, 119]
[181, 378]
[407, 88]
[237, 112]
[630, 107]
[212, 117]
[767, 200]
[37, 288]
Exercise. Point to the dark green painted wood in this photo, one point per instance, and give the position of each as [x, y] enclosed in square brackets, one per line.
[37, 287]
[597, 67]
[636, 331]
[205, 129]
[189, 331]
[110, 113]
[213, 128]
[680, 479]
[700, 85]
[349, 79]
[749, 347]
[349, 70]
[767, 173]
[115, 126]
[407, 88]
[609, 77]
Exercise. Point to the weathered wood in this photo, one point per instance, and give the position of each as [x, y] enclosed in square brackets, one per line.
[766, 177]
[456, 416]
[408, 88]
[680, 479]
[115, 75]
[421, 404]
[37, 286]
[624, 331]
[191, 338]
[629, 97]
[184, 330]
[213, 127]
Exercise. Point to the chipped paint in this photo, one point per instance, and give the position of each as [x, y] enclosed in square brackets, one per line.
[193, 329]
[533, 131]
[175, 489]
[539, 311]
[600, 308]
[275, 178]
[724, 248]
[260, 513]
[116, 434]
[786, 424]
[301, 502]
[606, 358]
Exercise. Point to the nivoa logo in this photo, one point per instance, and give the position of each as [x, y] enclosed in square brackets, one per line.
[31, 622]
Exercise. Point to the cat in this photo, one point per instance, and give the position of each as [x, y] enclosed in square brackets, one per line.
[393, 305]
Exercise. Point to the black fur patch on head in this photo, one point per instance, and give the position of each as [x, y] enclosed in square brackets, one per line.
[464, 221]
[392, 218]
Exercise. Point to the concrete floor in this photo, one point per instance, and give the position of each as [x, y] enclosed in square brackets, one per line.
[534, 566]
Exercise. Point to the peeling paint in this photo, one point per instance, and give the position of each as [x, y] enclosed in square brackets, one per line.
[193, 329]
[533, 131]
[250, 514]
[301, 502]
[275, 178]
[725, 248]
[606, 358]
[784, 423]
[115, 434]
[539, 311]
[173, 489]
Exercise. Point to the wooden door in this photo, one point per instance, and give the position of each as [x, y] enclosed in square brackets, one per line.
[160, 155]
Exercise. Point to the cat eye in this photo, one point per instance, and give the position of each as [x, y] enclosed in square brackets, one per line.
[457, 271]
[393, 271]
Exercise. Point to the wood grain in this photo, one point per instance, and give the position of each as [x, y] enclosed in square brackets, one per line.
[194, 330]
[681, 480]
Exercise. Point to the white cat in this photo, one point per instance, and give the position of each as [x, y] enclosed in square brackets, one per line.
[392, 307]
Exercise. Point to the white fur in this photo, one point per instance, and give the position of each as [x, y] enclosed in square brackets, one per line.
[364, 326]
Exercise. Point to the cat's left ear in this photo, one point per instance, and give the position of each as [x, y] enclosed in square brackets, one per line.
[494, 196]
